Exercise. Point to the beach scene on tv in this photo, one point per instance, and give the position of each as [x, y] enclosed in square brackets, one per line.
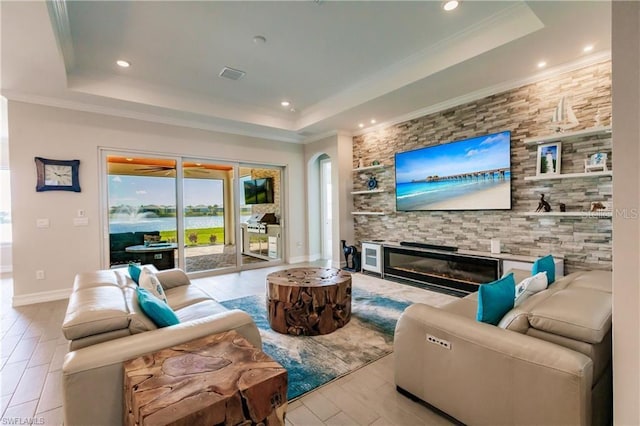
[471, 174]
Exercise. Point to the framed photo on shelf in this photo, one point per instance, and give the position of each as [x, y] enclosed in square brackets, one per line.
[548, 161]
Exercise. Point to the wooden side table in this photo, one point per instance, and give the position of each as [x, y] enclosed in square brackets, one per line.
[308, 301]
[215, 380]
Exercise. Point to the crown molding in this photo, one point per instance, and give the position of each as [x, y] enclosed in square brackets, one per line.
[328, 134]
[149, 117]
[59, 16]
[501, 28]
[489, 91]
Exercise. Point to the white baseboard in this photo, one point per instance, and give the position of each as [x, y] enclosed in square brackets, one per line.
[315, 256]
[44, 296]
[298, 259]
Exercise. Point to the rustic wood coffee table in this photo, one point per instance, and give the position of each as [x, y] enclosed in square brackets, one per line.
[220, 379]
[308, 301]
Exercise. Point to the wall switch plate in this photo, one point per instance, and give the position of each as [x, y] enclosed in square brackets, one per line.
[42, 223]
[440, 342]
[40, 275]
[80, 221]
[81, 212]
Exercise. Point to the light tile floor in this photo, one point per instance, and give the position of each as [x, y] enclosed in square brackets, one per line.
[32, 350]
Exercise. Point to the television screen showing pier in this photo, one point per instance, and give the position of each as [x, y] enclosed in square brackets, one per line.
[471, 174]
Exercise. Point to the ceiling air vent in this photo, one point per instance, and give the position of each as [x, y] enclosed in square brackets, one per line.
[231, 74]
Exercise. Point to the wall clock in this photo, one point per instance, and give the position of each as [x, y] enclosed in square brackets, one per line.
[57, 175]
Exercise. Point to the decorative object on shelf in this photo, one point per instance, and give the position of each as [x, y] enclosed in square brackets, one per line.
[57, 175]
[548, 160]
[355, 257]
[373, 183]
[596, 163]
[563, 117]
[600, 206]
[543, 205]
[596, 119]
[360, 164]
[375, 163]
[563, 207]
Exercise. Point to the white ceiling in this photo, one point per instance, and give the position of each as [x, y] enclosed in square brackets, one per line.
[338, 63]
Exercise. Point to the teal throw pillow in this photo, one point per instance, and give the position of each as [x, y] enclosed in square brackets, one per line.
[496, 299]
[134, 271]
[545, 264]
[159, 312]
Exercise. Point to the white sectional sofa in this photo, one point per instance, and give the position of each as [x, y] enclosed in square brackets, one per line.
[548, 362]
[106, 327]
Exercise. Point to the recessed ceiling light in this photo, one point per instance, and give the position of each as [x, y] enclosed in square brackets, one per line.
[588, 48]
[542, 64]
[285, 103]
[373, 121]
[259, 39]
[450, 5]
[361, 125]
[122, 63]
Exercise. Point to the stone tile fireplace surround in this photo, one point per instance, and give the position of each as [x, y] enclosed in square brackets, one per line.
[584, 242]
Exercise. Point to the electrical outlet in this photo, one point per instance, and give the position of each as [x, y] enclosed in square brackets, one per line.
[40, 275]
[437, 341]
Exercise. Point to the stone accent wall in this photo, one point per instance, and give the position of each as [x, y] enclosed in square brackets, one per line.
[585, 242]
[268, 208]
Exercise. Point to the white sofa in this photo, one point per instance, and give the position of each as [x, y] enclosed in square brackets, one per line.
[106, 327]
[548, 362]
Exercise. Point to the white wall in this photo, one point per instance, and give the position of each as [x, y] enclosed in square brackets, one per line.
[626, 201]
[344, 185]
[63, 250]
[339, 150]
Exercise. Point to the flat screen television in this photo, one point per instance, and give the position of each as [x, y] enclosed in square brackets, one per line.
[470, 174]
[258, 191]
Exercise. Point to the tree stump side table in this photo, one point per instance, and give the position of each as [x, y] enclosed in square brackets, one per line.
[215, 380]
[308, 301]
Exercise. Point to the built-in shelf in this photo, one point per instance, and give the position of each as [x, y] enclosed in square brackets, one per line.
[371, 191]
[570, 175]
[368, 213]
[377, 166]
[569, 214]
[568, 136]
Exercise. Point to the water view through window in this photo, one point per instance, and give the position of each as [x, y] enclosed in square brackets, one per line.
[143, 214]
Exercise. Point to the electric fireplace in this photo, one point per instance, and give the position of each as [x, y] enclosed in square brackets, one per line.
[442, 268]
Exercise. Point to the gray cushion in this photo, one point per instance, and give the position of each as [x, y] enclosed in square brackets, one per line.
[95, 310]
[179, 297]
[580, 314]
[199, 310]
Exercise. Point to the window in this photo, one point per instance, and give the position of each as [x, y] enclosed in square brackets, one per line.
[5, 207]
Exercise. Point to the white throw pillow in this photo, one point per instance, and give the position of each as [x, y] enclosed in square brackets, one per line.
[149, 281]
[529, 286]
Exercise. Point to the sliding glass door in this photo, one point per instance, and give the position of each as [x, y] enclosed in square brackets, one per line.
[260, 215]
[193, 213]
[209, 221]
[141, 197]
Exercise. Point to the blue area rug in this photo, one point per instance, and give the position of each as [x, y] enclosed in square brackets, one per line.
[312, 361]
